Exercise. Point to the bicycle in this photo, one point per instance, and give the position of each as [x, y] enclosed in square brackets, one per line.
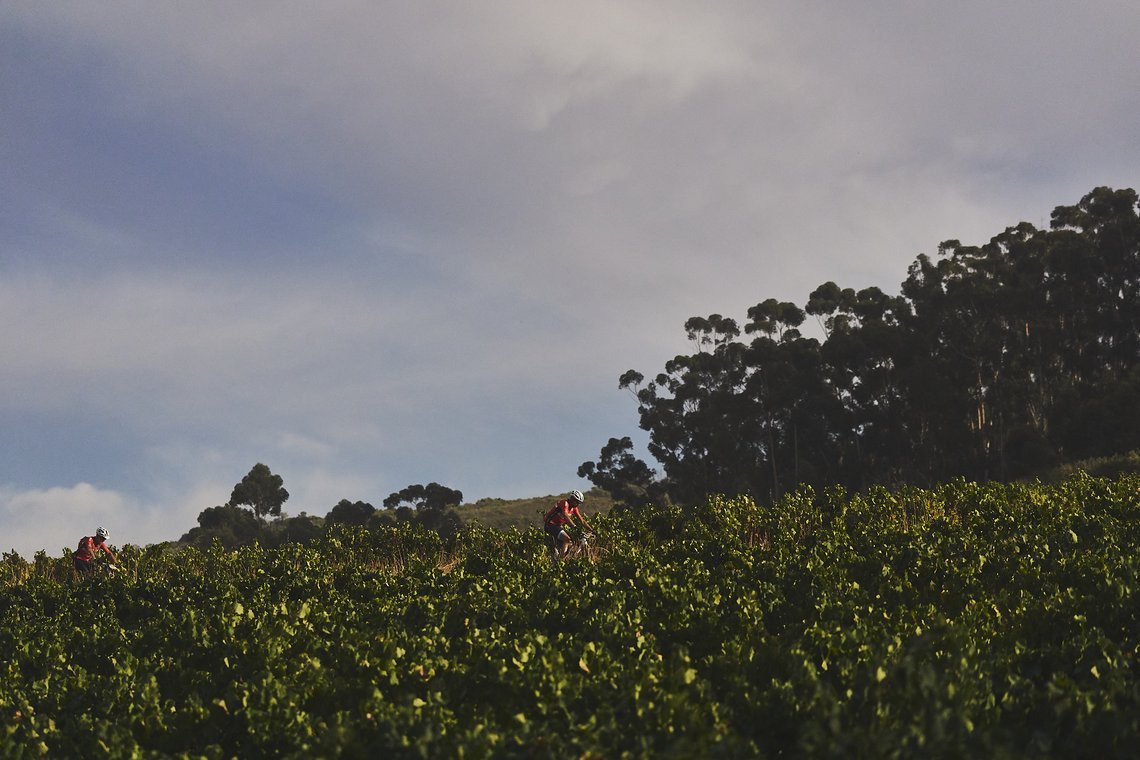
[99, 569]
[579, 547]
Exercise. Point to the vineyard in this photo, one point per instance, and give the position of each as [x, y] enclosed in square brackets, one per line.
[965, 621]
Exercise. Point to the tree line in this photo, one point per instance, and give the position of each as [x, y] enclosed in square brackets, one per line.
[994, 362]
[261, 494]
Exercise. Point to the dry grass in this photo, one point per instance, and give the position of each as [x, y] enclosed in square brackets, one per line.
[525, 513]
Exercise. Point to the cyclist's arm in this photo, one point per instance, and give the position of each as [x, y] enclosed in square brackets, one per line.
[109, 553]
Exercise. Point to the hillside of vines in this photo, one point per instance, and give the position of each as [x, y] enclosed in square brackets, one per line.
[965, 620]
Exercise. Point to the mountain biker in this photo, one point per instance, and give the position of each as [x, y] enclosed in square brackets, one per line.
[559, 516]
[84, 556]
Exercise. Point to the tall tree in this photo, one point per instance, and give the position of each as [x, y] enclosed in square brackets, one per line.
[261, 490]
[629, 480]
[1100, 261]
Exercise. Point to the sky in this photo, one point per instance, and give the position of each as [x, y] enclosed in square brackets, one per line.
[375, 244]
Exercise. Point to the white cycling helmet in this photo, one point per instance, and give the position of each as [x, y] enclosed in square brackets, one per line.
[101, 532]
[576, 497]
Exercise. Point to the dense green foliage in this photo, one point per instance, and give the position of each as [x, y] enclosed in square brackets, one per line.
[966, 621]
[995, 361]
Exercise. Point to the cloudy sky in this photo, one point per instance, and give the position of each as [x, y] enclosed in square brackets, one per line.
[372, 244]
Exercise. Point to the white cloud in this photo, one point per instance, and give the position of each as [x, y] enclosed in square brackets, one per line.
[55, 518]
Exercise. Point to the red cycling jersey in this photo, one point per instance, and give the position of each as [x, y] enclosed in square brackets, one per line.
[561, 513]
[87, 547]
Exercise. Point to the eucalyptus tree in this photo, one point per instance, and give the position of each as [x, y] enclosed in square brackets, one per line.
[994, 361]
[1095, 259]
[865, 352]
[629, 480]
[732, 417]
[790, 398]
[261, 490]
[693, 412]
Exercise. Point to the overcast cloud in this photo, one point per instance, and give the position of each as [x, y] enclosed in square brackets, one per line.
[376, 244]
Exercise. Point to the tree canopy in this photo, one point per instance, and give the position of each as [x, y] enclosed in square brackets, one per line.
[994, 362]
[434, 506]
[350, 513]
[261, 490]
[431, 496]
